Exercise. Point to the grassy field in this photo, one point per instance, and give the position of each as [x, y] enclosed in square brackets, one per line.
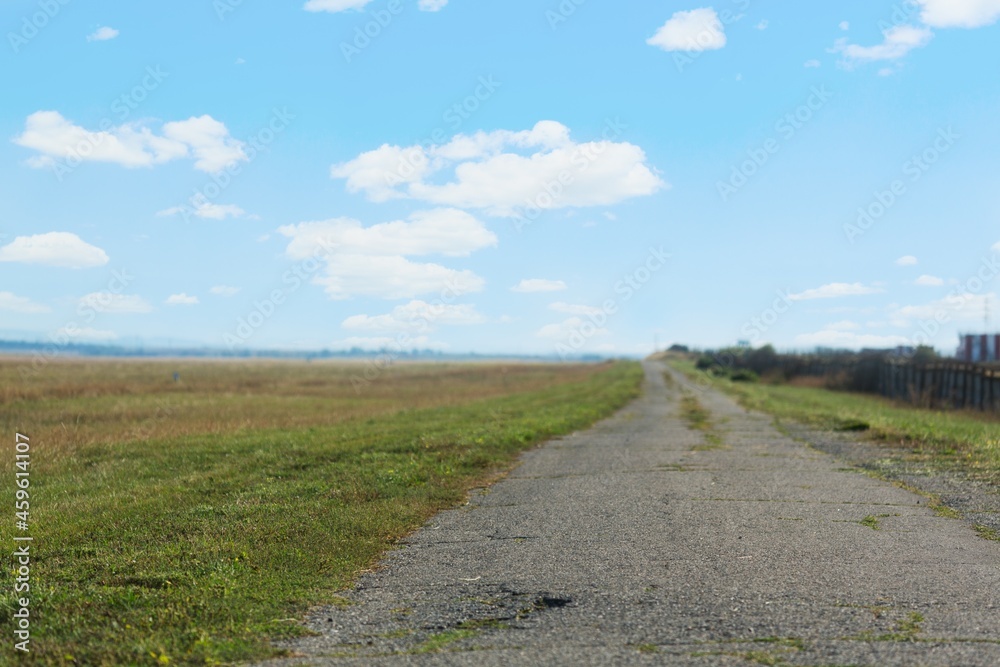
[968, 440]
[189, 522]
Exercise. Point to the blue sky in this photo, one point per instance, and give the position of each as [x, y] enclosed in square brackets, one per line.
[520, 177]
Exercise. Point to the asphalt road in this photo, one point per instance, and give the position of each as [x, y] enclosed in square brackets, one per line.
[639, 542]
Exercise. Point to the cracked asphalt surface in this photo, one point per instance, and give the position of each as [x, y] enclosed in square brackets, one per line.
[639, 542]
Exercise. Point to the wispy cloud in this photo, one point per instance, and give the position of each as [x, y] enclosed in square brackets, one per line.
[85, 333]
[102, 34]
[539, 285]
[181, 299]
[335, 5]
[415, 316]
[431, 5]
[206, 210]
[897, 42]
[834, 290]
[837, 338]
[116, 304]
[20, 304]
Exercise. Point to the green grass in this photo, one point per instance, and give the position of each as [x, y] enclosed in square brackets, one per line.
[967, 440]
[791, 642]
[987, 533]
[904, 630]
[700, 419]
[872, 521]
[696, 416]
[442, 640]
[199, 548]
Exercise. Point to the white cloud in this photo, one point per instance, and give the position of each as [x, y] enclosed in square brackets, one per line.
[886, 71]
[906, 260]
[102, 34]
[86, 333]
[844, 325]
[845, 25]
[372, 261]
[574, 325]
[812, 63]
[181, 299]
[20, 304]
[695, 30]
[929, 281]
[416, 316]
[996, 247]
[444, 231]
[131, 144]
[503, 171]
[848, 339]
[958, 307]
[206, 209]
[379, 172]
[574, 309]
[899, 40]
[834, 290]
[763, 24]
[431, 5]
[117, 304]
[959, 13]
[529, 285]
[209, 140]
[61, 249]
[224, 290]
[334, 5]
[392, 277]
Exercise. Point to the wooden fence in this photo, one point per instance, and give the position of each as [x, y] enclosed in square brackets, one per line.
[949, 384]
[943, 384]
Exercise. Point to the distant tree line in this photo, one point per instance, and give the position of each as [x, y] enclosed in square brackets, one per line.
[843, 368]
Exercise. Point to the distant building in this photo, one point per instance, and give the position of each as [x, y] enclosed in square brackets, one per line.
[979, 348]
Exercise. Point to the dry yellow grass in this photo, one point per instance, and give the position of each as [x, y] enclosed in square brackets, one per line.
[74, 403]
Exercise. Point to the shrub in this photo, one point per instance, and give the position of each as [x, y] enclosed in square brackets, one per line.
[744, 375]
[704, 362]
